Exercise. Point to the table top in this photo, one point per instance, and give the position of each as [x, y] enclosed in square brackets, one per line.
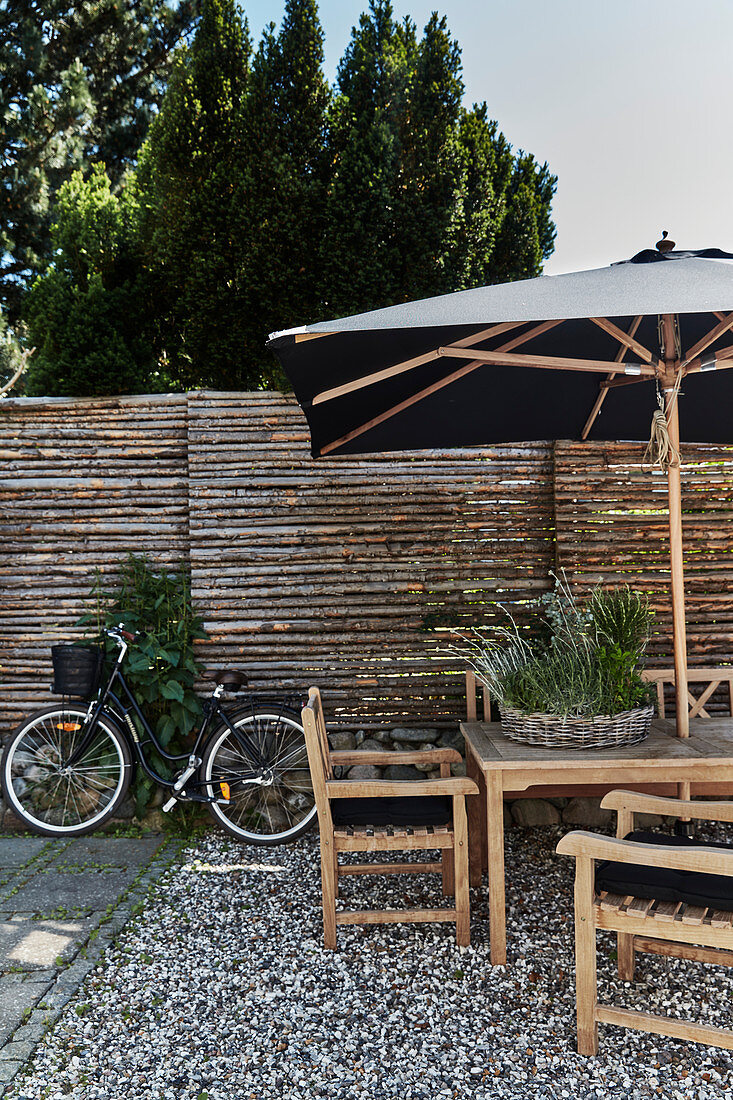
[710, 742]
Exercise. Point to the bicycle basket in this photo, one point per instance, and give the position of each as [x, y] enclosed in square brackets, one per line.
[76, 670]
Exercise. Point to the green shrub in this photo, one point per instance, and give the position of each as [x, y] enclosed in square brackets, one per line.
[589, 665]
[160, 667]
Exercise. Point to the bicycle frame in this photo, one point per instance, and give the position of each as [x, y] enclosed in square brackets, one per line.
[123, 710]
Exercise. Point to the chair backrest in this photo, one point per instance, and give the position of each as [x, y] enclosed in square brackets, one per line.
[319, 756]
[713, 677]
[483, 712]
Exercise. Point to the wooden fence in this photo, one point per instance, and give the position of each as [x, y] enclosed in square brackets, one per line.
[350, 572]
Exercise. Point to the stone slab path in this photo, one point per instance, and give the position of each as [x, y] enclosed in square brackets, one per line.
[61, 903]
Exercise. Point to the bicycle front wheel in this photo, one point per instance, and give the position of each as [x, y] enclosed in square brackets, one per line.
[272, 813]
[49, 796]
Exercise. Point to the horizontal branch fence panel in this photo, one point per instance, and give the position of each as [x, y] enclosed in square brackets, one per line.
[612, 528]
[82, 483]
[352, 572]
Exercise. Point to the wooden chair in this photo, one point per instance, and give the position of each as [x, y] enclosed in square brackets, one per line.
[698, 927]
[384, 816]
[712, 677]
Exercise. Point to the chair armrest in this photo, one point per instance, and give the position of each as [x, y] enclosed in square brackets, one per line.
[711, 861]
[671, 807]
[434, 756]
[399, 788]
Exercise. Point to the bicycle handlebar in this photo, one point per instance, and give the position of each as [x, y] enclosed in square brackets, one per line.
[118, 631]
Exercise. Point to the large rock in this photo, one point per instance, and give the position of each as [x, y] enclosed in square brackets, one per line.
[414, 737]
[452, 739]
[370, 745]
[365, 771]
[383, 736]
[587, 812]
[402, 771]
[342, 741]
[429, 767]
[535, 811]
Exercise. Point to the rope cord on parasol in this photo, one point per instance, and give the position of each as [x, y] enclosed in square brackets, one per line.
[660, 451]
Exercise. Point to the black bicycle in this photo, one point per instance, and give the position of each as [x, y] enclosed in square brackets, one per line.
[67, 768]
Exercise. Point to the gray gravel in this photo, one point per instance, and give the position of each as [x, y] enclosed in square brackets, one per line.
[220, 989]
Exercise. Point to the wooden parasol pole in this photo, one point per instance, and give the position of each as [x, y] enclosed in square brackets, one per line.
[674, 486]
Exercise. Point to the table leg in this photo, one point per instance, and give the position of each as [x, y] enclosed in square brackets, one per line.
[475, 806]
[495, 847]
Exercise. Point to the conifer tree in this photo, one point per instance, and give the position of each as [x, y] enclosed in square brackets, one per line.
[287, 109]
[426, 196]
[197, 219]
[527, 234]
[234, 176]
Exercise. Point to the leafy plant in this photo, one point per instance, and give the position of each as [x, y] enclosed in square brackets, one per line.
[588, 666]
[161, 667]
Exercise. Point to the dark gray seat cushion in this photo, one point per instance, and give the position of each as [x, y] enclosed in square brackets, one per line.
[664, 883]
[431, 810]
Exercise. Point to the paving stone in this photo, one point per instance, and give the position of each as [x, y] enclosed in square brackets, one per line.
[8, 1071]
[37, 944]
[108, 852]
[17, 1051]
[17, 851]
[16, 997]
[46, 893]
[31, 1033]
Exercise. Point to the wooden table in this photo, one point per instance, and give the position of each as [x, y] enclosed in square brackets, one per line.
[501, 766]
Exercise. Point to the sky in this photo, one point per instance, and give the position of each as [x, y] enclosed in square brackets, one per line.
[629, 103]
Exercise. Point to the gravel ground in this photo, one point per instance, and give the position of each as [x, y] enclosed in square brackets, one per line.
[220, 989]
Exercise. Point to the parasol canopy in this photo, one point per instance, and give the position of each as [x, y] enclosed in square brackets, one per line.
[590, 355]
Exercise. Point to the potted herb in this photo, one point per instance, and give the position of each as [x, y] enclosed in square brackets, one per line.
[581, 685]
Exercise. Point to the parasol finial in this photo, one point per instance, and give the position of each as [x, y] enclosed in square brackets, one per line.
[665, 245]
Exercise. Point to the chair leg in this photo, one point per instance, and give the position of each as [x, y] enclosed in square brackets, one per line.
[626, 956]
[460, 852]
[586, 985]
[335, 873]
[448, 865]
[328, 886]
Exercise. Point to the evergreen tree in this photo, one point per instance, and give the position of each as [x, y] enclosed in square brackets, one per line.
[287, 108]
[527, 234]
[426, 197]
[86, 315]
[198, 221]
[77, 80]
[233, 176]
[362, 259]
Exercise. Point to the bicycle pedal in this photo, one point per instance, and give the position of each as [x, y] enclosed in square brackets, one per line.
[167, 806]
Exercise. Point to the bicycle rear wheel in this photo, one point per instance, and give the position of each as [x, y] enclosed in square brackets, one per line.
[52, 798]
[273, 813]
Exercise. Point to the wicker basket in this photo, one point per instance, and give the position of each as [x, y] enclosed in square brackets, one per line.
[554, 732]
[76, 670]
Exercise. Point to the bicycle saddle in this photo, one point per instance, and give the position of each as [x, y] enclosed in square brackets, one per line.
[226, 677]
